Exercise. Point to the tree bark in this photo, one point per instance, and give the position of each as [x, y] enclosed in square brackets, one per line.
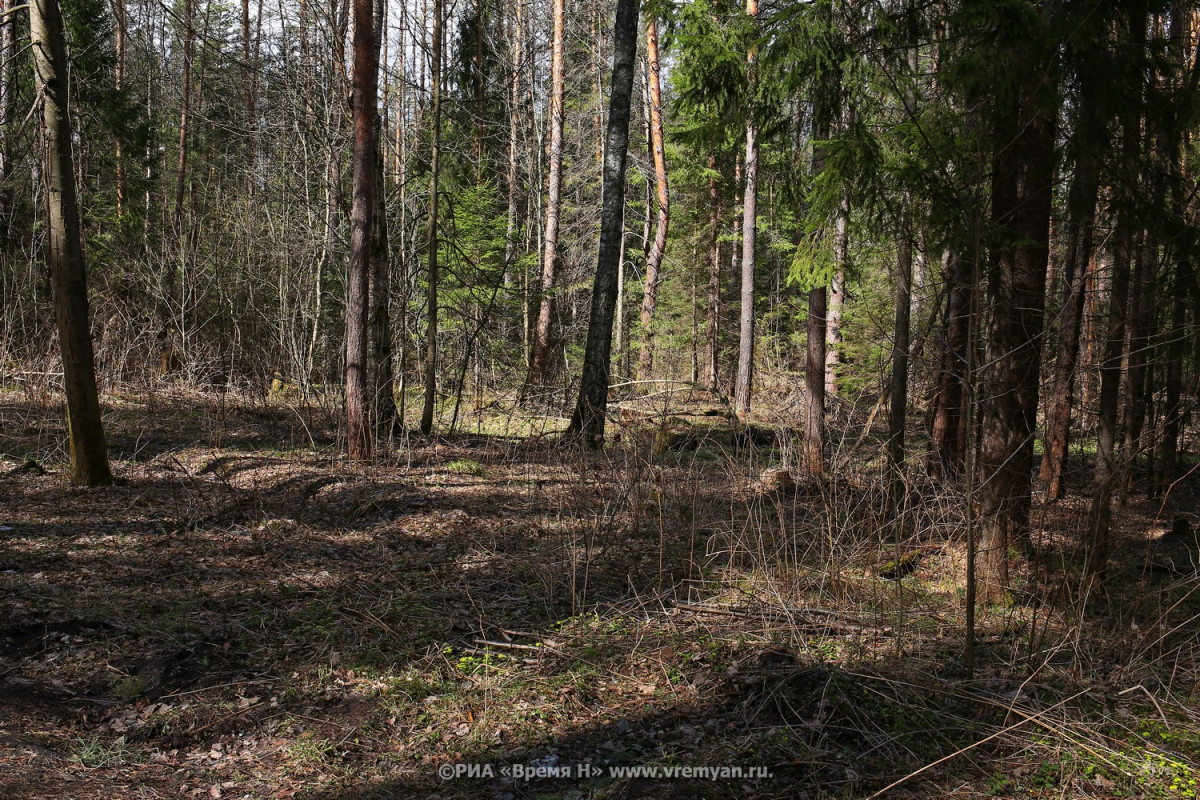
[662, 195]
[435, 152]
[541, 341]
[1082, 210]
[712, 349]
[1022, 184]
[837, 296]
[382, 388]
[898, 403]
[68, 272]
[362, 224]
[587, 421]
[814, 386]
[1107, 472]
[947, 431]
[745, 370]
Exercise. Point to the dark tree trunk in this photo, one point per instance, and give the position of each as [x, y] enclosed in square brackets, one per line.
[898, 404]
[1082, 211]
[713, 328]
[435, 153]
[814, 385]
[362, 221]
[541, 340]
[68, 272]
[947, 430]
[1107, 472]
[587, 422]
[1022, 189]
[1140, 324]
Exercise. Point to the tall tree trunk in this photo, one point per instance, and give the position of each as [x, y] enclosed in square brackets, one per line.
[1140, 323]
[745, 369]
[382, 389]
[1022, 184]
[8, 104]
[435, 154]
[587, 421]
[1107, 472]
[541, 341]
[1183, 279]
[815, 332]
[185, 102]
[712, 350]
[1082, 210]
[68, 272]
[949, 420]
[655, 258]
[837, 296]
[120, 34]
[898, 403]
[362, 232]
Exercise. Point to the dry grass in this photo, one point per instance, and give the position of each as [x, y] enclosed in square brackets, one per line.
[248, 615]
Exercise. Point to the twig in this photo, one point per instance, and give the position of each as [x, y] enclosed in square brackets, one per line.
[984, 740]
[1153, 700]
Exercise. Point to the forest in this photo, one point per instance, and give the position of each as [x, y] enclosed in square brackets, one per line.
[615, 399]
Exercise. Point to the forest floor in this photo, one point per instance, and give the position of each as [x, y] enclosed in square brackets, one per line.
[247, 615]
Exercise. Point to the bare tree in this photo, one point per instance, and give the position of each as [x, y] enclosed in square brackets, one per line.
[68, 271]
[745, 370]
[662, 194]
[435, 153]
[362, 222]
[587, 422]
[541, 340]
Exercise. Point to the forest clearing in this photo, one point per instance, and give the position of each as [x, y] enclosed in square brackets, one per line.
[606, 399]
[247, 614]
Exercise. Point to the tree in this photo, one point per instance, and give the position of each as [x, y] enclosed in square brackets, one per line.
[1088, 143]
[587, 421]
[541, 340]
[662, 195]
[745, 369]
[1022, 120]
[435, 154]
[68, 271]
[362, 231]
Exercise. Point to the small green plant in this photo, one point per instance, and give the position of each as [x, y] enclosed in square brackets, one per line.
[311, 751]
[95, 752]
[465, 466]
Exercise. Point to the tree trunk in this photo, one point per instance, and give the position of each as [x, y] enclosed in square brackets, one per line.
[898, 404]
[1082, 210]
[814, 386]
[587, 422]
[712, 349]
[1179, 336]
[655, 257]
[189, 48]
[1138, 356]
[1107, 472]
[120, 38]
[8, 104]
[362, 232]
[745, 370]
[382, 388]
[435, 152]
[837, 296]
[68, 272]
[541, 341]
[947, 430]
[1096, 555]
[1022, 184]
